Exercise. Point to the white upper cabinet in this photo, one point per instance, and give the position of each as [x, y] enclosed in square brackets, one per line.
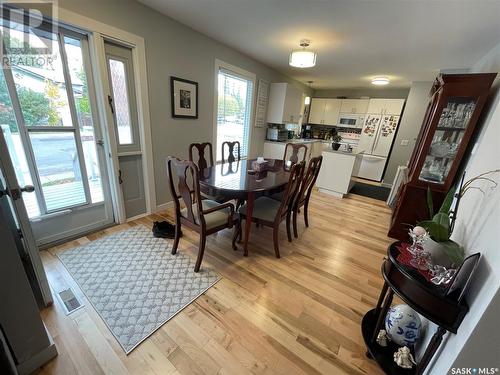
[284, 105]
[317, 111]
[324, 111]
[332, 111]
[359, 106]
[386, 106]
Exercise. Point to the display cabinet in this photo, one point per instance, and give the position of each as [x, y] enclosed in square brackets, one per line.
[449, 125]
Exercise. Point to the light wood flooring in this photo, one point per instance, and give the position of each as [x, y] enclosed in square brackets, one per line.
[299, 314]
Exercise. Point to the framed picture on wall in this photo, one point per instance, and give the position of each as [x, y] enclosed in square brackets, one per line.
[184, 95]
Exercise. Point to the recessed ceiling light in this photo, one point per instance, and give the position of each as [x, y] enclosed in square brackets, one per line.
[380, 81]
[302, 58]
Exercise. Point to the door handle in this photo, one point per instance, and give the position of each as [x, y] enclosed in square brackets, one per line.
[100, 142]
[110, 101]
[15, 194]
[120, 181]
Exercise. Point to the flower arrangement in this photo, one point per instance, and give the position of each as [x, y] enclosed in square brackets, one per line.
[440, 226]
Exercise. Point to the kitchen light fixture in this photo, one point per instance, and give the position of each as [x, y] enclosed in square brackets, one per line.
[380, 81]
[307, 100]
[301, 58]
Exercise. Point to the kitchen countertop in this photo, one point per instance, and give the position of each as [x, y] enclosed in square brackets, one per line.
[354, 152]
[300, 140]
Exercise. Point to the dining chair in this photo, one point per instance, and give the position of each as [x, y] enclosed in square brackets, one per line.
[204, 150]
[292, 151]
[231, 148]
[270, 212]
[203, 216]
[304, 193]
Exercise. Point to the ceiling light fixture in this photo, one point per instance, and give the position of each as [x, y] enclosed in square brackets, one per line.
[380, 81]
[301, 58]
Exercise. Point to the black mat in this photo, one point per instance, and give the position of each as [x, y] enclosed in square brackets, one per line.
[372, 191]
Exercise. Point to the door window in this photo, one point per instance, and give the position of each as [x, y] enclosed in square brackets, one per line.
[51, 134]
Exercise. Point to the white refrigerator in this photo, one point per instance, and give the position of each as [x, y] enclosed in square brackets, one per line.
[376, 140]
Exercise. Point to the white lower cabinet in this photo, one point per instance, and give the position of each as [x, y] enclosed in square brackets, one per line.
[274, 150]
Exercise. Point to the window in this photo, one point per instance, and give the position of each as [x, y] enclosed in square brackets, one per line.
[234, 108]
[46, 117]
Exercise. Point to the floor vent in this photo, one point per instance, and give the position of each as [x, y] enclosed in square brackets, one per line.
[69, 300]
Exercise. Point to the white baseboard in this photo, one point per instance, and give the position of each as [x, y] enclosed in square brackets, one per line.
[332, 193]
[37, 360]
[386, 185]
[164, 206]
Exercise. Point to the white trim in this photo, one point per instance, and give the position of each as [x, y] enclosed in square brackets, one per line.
[164, 206]
[245, 74]
[99, 32]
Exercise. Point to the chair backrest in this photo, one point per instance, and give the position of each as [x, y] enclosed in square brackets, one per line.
[309, 179]
[201, 149]
[292, 151]
[185, 173]
[231, 148]
[292, 188]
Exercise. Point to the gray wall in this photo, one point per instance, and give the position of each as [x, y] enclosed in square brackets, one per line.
[389, 93]
[173, 49]
[410, 124]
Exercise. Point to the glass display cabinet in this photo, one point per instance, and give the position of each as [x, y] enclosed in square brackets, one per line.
[445, 138]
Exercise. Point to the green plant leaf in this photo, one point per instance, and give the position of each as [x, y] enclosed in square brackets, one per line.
[448, 200]
[437, 231]
[430, 203]
[454, 251]
[442, 219]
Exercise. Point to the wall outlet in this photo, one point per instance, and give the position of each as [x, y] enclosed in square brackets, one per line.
[405, 142]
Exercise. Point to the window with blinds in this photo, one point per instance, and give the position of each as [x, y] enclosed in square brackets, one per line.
[234, 110]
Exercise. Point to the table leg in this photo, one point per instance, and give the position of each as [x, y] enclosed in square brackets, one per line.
[382, 314]
[431, 350]
[381, 298]
[248, 221]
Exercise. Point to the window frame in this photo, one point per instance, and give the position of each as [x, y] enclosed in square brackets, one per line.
[241, 73]
[25, 130]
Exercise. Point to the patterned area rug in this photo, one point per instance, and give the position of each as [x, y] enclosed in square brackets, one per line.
[134, 283]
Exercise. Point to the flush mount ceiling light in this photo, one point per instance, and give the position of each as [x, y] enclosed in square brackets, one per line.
[302, 58]
[380, 81]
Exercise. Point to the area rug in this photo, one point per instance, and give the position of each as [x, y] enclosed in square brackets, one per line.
[371, 191]
[135, 283]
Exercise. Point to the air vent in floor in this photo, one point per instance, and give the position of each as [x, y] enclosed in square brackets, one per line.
[69, 300]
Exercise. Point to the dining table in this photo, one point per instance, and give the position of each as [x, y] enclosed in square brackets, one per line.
[239, 180]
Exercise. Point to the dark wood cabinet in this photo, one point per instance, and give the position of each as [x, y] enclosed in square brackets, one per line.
[456, 102]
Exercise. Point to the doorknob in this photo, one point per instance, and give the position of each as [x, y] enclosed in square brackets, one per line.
[16, 193]
[110, 101]
[120, 181]
[100, 142]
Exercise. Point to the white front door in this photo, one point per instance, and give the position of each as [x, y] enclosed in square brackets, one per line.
[123, 105]
[48, 119]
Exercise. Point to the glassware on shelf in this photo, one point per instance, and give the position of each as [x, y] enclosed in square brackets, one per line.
[441, 275]
[420, 259]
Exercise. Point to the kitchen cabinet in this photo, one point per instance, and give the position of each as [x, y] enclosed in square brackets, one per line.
[386, 106]
[324, 111]
[317, 111]
[449, 126]
[359, 106]
[274, 150]
[285, 102]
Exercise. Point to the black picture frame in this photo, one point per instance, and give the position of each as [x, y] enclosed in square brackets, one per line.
[183, 107]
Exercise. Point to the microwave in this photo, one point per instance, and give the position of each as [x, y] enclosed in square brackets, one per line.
[351, 120]
[280, 135]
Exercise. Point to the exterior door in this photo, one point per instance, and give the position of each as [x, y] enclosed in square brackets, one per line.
[51, 130]
[123, 105]
[11, 202]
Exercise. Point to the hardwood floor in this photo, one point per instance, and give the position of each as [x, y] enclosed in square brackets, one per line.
[294, 315]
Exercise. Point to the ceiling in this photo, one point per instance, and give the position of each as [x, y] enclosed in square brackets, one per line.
[355, 40]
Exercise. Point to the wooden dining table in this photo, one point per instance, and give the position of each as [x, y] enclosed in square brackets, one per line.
[237, 180]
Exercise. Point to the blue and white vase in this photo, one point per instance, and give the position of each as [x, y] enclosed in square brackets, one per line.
[403, 325]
